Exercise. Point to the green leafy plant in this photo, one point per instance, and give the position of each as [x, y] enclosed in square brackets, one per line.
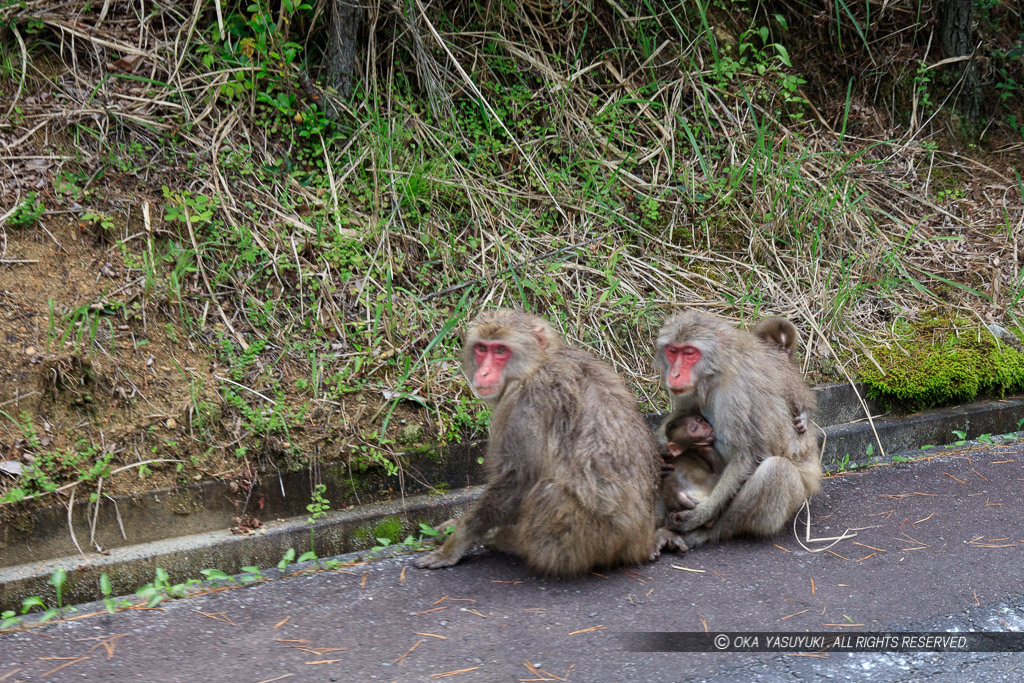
[28, 212]
[286, 560]
[161, 588]
[846, 464]
[111, 603]
[317, 508]
[251, 574]
[9, 619]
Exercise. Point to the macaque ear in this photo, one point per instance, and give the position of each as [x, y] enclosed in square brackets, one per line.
[673, 449]
[541, 335]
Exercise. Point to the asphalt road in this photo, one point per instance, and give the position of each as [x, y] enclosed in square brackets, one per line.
[938, 546]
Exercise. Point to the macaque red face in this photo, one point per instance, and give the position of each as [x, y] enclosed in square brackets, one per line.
[502, 348]
[680, 360]
[490, 358]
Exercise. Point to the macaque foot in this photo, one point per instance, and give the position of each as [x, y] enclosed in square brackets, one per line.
[437, 559]
[665, 539]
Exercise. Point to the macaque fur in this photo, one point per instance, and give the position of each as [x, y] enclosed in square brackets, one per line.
[693, 466]
[571, 464]
[782, 334]
[745, 389]
[778, 331]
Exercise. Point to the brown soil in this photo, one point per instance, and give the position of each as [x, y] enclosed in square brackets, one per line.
[110, 370]
[85, 372]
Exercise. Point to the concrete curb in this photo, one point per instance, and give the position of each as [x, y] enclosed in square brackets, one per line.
[909, 433]
[184, 557]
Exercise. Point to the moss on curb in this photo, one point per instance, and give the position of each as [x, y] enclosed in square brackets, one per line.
[949, 370]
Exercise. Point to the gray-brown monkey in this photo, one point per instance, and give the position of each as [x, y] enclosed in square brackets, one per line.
[692, 465]
[782, 334]
[571, 465]
[778, 331]
[744, 388]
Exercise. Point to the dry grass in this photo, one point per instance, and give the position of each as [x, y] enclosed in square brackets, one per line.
[595, 165]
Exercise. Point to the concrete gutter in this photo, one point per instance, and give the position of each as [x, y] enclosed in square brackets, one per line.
[211, 546]
[907, 434]
[184, 557]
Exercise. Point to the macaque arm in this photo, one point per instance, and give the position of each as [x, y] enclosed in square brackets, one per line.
[494, 507]
[733, 477]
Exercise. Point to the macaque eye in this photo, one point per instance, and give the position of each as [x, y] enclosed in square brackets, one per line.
[689, 350]
[500, 351]
[481, 348]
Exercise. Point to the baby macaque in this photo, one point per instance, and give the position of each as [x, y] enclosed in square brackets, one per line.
[780, 333]
[692, 466]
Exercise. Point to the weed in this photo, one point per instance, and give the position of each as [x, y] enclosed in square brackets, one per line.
[102, 225]
[846, 464]
[111, 603]
[9, 619]
[922, 94]
[28, 212]
[410, 543]
[69, 183]
[317, 508]
[286, 560]
[161, 588]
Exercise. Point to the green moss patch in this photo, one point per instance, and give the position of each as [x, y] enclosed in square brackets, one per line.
[389, 528]
[953, 370]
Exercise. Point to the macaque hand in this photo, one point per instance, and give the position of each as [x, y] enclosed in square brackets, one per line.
[667, 468]
[688, 520]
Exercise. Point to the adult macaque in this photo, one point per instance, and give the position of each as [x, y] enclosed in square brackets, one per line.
[782, 334]
[693, 466]
[571, 465]
[744, 388]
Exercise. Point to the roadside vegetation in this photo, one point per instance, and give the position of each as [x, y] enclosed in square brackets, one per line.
[214, 266]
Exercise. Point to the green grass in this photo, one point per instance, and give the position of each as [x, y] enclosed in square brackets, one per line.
[696, 154]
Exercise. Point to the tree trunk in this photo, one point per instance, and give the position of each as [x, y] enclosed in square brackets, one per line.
[342, 46]
[956, 29]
